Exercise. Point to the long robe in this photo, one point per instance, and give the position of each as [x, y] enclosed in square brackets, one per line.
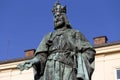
[65, 55]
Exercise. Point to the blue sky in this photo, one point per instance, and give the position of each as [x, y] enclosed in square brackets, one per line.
[23, 23]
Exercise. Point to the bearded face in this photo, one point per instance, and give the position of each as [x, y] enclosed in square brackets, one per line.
[59, 21]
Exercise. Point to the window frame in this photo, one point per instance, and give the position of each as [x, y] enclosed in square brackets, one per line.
[116, 74]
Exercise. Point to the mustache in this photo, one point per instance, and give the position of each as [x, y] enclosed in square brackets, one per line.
[58, 19]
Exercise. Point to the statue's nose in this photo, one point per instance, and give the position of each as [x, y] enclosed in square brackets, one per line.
[57, 14]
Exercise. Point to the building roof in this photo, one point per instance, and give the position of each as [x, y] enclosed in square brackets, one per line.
[27, 58]
[15, 60]
[107, 44]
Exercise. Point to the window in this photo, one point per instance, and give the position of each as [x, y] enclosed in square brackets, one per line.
[118, 74]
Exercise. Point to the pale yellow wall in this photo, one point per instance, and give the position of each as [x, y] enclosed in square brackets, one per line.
[99, 68]
[106, 62]
[9, 72]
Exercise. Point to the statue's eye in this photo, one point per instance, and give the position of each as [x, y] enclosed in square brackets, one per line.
[55, 16]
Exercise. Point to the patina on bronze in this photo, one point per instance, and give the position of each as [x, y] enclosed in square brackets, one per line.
[64, 54]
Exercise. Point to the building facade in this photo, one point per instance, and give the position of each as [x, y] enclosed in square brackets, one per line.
[107, 63]
[107, 60]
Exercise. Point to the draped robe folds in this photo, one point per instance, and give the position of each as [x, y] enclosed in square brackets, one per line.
[69, 57]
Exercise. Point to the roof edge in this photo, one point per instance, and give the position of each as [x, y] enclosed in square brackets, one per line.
[107, 44]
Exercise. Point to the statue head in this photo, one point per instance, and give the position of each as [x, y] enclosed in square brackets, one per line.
[60, 18]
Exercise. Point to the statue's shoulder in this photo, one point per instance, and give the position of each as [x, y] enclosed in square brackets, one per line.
[47, 35]
[74, 31]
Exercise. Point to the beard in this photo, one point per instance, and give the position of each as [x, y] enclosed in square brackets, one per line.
[59, 23]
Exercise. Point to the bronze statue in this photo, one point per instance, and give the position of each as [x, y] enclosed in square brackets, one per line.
[64, 54]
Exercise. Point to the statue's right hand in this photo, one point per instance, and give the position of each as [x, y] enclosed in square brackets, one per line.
[21, 66]
[25, 65]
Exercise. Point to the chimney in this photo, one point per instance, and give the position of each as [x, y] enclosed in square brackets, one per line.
[100, 40]
[29, 52]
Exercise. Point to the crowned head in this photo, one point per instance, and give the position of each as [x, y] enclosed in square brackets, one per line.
[60, 18]
[58, 8]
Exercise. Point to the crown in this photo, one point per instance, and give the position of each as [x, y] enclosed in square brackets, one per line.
[58, 8]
